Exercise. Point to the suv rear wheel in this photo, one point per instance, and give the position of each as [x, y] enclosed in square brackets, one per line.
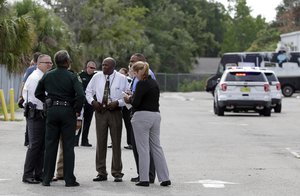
[287, 90]
[218, 110]
[267, 111]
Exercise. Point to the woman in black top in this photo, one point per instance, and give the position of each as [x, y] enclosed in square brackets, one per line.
[146, 125]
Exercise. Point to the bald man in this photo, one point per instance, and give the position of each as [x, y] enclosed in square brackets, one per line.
[104, 93]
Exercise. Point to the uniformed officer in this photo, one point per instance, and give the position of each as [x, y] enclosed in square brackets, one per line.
[64, 101]
[86, 75]
[36, 123]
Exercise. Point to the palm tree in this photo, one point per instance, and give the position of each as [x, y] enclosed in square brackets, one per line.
[16, 39]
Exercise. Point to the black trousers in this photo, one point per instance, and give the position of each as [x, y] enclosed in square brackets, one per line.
[136, 158]
[126, 117]
[26, 141]
[88, 112]
[60, 120]
[35, 153]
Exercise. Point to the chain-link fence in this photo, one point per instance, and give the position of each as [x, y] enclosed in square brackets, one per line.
[8, 81]
[181, 82]
[168, 82]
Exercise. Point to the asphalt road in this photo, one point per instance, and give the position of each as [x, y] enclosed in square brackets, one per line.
[238, 154]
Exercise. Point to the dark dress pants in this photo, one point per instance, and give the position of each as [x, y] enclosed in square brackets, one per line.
[87, 118]
[61, 120]
[126, 117]
[111, 120]
[35, 153]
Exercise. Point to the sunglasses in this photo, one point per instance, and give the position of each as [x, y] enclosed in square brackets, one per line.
[92, 67]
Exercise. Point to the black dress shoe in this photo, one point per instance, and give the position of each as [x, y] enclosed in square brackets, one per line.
[136, 179]
[142, 183]
[39, 179]
[100, 178]
[151, 181]
[72, 184]
[129, 147]
[86, 145]
[30, 181]
[46, 183]
[165, 183]
[118, 179]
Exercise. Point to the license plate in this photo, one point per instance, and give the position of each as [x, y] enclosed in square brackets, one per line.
[245, 89]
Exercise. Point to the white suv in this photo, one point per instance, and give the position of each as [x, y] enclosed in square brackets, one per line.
[243, 90]
[275, 88]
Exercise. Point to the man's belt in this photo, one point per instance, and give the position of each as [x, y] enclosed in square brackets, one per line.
[61, 103]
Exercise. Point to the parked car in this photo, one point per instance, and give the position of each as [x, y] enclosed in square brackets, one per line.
[275, 89]
[243, 90]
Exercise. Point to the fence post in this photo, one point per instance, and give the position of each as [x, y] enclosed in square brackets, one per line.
[177, 82]
[2, 99]
[165, 82]
[12, 104]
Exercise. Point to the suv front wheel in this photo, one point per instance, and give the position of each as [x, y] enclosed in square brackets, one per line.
[277, 108]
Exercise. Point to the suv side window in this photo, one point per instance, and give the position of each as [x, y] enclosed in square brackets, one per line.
[271, 77]
[245, 76]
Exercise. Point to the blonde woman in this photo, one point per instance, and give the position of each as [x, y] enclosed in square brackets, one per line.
[146, 125]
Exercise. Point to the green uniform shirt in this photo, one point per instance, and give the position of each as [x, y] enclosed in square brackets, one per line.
[85, 79]
[61, 85]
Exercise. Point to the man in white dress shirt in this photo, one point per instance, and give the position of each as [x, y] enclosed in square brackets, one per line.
[104, 93]
[36, 123]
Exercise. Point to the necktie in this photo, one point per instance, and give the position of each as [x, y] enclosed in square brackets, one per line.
[106, 92]
[131, 84]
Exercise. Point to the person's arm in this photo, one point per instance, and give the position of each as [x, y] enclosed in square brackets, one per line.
[40, 90]
[120, 101]
[21, 98]
[89, 92]
[141, 89]
[79, 120]
[152, 74]
[79, 97]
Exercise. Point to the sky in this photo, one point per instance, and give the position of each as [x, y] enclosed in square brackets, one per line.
[266, 8]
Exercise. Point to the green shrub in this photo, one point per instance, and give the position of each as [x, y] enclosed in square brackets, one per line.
[194, 85]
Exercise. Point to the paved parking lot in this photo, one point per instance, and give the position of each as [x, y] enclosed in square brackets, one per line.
[238, 154]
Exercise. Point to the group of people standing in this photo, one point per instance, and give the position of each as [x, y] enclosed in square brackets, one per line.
[104, 93]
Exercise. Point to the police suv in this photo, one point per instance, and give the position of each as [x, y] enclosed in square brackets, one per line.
[243, 90]
[275, 89]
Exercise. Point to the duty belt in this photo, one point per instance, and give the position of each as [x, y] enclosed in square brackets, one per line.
[61, 103]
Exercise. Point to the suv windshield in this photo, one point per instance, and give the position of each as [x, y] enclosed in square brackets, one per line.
[245, 76]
